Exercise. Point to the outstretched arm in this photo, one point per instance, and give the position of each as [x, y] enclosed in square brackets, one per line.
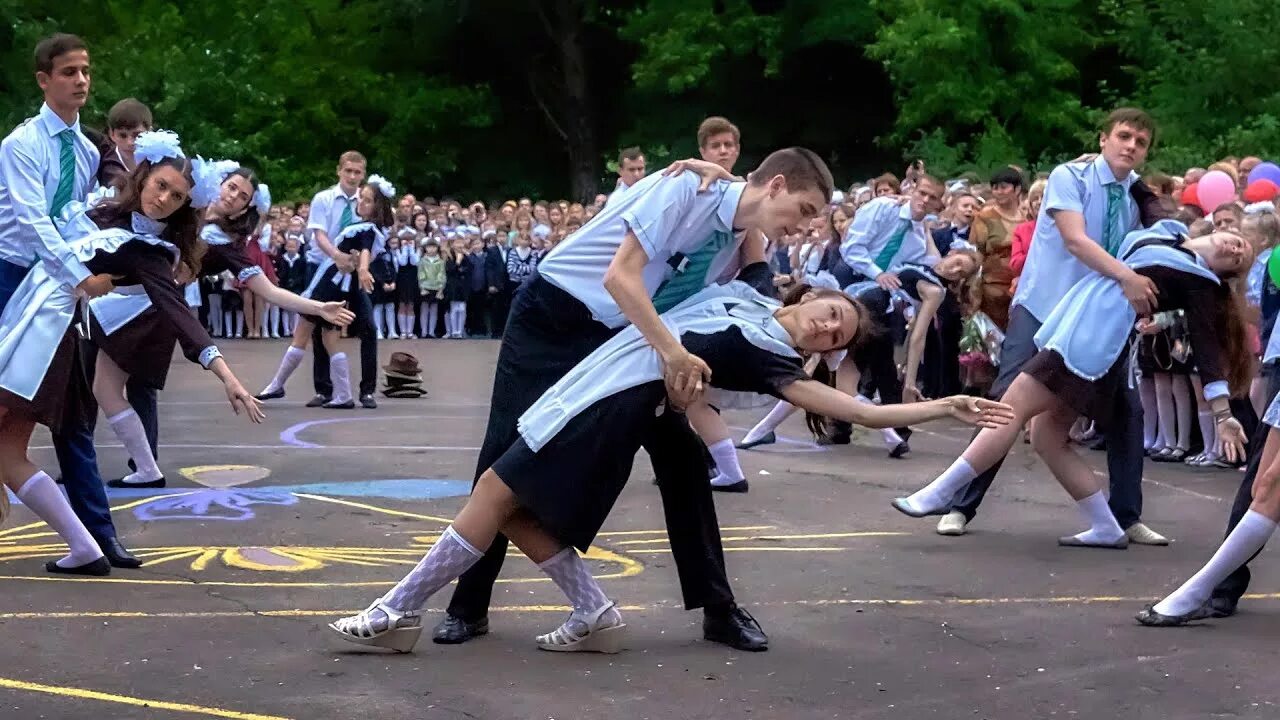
[331, 312]
[931, 297]
[824, 400]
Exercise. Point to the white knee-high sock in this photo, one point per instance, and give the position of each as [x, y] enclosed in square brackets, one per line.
[1208, 431]
[1147, 393]
[939, 494]
[451, 556]
[459, 318]
[128, 428]
[1248, 537]
[770, 423]
[1103, 527]
[726, 458]
[389, 317]
[448, 323]
[340, 376]
[41, 494]
[1168, 423]
[433, 318]
[292, 358]
[567, 570]
[378, 321]
[890, 436]
[239, 323]
[273, 323]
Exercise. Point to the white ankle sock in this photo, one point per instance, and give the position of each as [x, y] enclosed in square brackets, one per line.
[726, 458]
[770, 423]
[939, 494]
[292, 358]
[451, 556]
[128, 428]
[340, 376]
[41, 494]
[1208, 431]
[1248, 537]
[1103, 527]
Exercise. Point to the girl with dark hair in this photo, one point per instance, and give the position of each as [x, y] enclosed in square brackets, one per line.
[554, 487]
[334, 289]
[1083, 366]
[363, 240]
[138, 237]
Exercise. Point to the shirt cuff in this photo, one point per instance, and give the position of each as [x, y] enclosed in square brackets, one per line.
[77, 270]
[248, 272]
[1216, 389]
[208, 355]
[637, 229]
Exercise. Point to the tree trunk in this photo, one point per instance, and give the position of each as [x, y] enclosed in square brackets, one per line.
[570, 109]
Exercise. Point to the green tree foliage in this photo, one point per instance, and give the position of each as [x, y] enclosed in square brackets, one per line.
[503, 97]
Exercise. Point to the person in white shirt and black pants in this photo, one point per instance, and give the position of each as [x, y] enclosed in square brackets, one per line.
[46, 163]
[662, 240]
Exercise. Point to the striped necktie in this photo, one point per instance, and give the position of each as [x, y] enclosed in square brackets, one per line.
[895, 243]
[684, 284]
[66, 172]
[347, 216]
[1111, 233]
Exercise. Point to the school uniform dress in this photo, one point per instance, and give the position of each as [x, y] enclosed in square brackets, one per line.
[331, 284]
[331, 212]
[578, 442]
[41, 375]
[563, 313]
[1084, 344]
[405, 261]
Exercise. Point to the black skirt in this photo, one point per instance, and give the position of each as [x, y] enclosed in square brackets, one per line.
[1095, 399]
[571, 484]
[143, 347]
[407, 285]
[65, 397]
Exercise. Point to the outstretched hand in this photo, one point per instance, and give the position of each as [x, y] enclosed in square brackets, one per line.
[336, 313]
[241, 400]
[980, 411]
[708, 171]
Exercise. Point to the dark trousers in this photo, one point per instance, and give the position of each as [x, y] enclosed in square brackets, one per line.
[499, 308]
[1124, 438]
[73, 444]
[477, 303]
[875, 361]
[143, 400]
[548, 334]
[363, 327]
[1235, 584]
[940, 372]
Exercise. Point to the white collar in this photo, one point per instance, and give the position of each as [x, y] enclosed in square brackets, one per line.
[54, 124]
[144, 225]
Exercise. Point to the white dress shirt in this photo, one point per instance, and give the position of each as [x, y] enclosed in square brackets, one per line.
[667, 215]
[326, 216]
[1051, 270]
[30, 162]
[873, 226]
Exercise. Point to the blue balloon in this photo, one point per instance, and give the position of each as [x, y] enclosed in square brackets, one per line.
[1265, 171]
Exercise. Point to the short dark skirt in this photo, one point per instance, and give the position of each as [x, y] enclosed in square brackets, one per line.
[1155, 356]
[143, 348]
[65, 397]
[407, 284]
[1095, 399]
[571, 484]
[327, 291]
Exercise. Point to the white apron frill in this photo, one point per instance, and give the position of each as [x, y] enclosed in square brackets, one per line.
[1090, 326]
[627, 360]
[42, 309]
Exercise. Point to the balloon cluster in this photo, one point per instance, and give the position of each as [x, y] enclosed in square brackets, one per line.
[1217, 188]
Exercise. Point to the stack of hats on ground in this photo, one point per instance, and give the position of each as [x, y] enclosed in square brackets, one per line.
[404, 377]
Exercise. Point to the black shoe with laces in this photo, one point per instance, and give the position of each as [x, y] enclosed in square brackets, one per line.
[367, 402]
[731, 625]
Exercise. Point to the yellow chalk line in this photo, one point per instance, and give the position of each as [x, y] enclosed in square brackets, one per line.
[375, 508]
[84, 694]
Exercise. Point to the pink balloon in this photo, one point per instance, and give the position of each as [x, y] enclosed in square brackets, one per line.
[1216, 188]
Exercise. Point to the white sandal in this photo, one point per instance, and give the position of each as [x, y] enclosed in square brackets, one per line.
[566, 638]
[400, 634]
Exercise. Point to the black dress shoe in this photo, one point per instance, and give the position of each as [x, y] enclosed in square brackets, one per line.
[118, 555]
[766, 439]
[455, 631]
[96, 568]
[120, 483]
[739, 487]
[276, 395]
[734, 627]
[1220, 607]
[900, 450]
[367, 402]
[317, 401]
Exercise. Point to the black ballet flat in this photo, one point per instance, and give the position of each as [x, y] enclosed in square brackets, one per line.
[739, 487]
[348, 405]
[97, 568]
[317, 401]
[900, 450]
[275, 395]
[767, 439]
[151, 484]
[900, 504]
[1151, 618]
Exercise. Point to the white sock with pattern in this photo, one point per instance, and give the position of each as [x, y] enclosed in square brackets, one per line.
[567, 570]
